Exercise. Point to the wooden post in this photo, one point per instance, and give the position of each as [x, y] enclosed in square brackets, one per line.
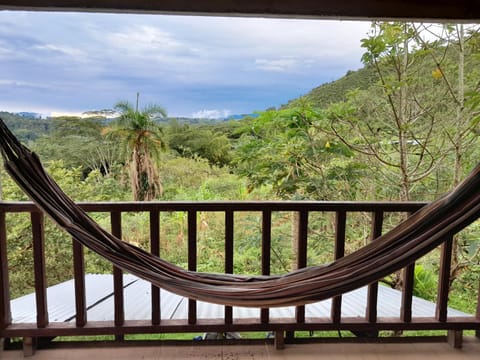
[455, 338]
[192, 260]
[79, 280]
[266, 248]
[477, 332]
[302, 256]
[229, 226]
[372, 296]
[155, 250]
[408, 283]
[116, 224]
[444, 280]
[38, 234]
[279, 340]
[29, 346]
[339, 252]
[5, 311]
[408, 276]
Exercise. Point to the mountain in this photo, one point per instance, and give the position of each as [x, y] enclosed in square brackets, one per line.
[337, 90]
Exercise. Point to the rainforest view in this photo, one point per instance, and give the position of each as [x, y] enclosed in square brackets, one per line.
[404, 127]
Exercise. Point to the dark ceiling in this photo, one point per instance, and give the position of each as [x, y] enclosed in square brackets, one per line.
[459, 10]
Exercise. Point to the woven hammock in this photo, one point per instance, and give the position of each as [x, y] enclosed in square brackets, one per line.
[410, 240]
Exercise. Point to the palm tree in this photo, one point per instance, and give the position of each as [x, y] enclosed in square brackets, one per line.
[140, 138]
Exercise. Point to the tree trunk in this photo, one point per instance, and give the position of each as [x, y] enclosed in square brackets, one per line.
[460, 106]
[402, 120]
[457, 246]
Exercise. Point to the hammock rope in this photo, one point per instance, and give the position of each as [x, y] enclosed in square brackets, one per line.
[410, 240]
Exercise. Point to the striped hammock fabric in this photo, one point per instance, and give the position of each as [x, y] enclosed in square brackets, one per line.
[410, 240]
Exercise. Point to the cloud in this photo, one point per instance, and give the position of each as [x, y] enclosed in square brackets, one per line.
[82, 61]
[211, 114]
[277, 65]
[60, 50]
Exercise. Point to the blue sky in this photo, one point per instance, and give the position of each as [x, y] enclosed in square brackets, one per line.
[62, 63]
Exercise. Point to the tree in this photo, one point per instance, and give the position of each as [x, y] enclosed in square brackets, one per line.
[140, 139]
[78, 143]
[288, 150]
[199, 140]
[397, 123]
[459, 43]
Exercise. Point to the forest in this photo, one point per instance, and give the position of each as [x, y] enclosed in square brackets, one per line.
[404, 127]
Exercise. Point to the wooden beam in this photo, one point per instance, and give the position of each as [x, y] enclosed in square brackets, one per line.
[466, 10]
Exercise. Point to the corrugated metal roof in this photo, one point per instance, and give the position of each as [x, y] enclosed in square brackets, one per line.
[137, 293]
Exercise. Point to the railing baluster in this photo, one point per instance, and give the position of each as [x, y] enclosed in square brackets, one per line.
[477, 313]
[155, 250]
[5, 311]
[192, 260]
[116, 224]
[372, 296]
[79, 280]
[340, 230]
[444, 280]
[31, 331]
[408, 279]
[408, 282]
[38, 233]
[266, 248]
[229, 226]
[302, 227]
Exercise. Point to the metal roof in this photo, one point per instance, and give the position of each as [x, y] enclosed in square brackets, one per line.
[137, 295]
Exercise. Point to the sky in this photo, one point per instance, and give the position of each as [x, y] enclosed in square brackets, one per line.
[212, 67]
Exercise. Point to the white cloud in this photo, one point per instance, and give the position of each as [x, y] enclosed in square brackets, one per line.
[62, 50]
[277, 65]
[24, 84]
[211, 114]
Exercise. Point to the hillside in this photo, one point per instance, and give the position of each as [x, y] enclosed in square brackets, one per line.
[335, 91]
[25, 127]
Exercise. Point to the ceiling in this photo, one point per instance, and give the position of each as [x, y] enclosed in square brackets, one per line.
[438, 10]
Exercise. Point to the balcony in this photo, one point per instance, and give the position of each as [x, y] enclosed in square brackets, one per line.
[368, 318]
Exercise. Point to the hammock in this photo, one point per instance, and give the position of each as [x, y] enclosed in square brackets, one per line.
[413, 238]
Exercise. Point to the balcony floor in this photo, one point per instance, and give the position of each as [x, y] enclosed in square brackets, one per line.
[330, 351]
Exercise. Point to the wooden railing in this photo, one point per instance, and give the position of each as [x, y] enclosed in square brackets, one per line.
[368, 324]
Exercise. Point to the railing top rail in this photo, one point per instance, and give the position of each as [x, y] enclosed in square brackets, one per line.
[133, 206]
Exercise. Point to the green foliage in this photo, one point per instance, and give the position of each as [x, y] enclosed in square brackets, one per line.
[425, 283]
[78, 142]
[199, 141]
[290, 151]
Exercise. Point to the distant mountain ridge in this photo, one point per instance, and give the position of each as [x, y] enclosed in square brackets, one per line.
[320, 97]
[337, 90]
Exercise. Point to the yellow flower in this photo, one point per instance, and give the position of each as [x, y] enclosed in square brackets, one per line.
[437, 74]
[327, 145]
